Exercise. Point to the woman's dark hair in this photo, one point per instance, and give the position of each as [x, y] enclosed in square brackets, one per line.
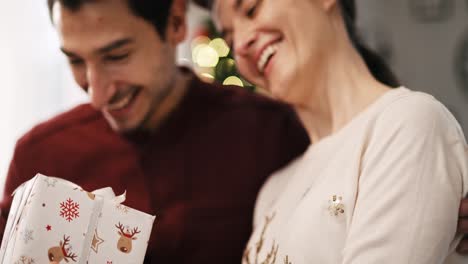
[374, 62]
[155, 12]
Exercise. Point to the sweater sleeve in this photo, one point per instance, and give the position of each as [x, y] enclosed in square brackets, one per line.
[412, 178]
[14, 179]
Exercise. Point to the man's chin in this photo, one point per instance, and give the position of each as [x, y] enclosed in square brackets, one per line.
[131, 124]
[124, 127]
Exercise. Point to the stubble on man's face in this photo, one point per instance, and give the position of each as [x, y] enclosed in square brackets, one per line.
[119, 59]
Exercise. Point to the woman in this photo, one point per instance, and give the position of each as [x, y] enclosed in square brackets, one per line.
[384, 177]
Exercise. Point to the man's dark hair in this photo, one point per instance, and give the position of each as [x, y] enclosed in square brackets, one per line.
[155, 12]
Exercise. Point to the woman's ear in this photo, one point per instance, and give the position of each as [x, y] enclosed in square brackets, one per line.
[176, 24]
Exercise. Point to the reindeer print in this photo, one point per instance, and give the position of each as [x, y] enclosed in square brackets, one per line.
[126, 238]
[91, 196]
[252, 252]
[62, 252]
[271, 255]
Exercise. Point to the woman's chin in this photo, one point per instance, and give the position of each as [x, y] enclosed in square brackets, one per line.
[280, 92]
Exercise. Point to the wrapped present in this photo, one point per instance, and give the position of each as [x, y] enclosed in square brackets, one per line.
[55, 221]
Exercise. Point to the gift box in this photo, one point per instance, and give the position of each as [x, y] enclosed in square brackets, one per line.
[55, 221]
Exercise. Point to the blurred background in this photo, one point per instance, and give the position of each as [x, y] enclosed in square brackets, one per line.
[424, 41]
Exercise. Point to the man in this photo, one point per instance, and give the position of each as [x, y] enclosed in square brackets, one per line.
[193, 154]
[223, 13]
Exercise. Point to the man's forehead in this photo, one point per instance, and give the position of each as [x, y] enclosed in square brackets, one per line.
[98, 14]
[95, 28]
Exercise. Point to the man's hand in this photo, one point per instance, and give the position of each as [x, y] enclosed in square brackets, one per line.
[463, 227]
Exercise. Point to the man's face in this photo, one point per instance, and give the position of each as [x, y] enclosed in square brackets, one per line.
[119, 59]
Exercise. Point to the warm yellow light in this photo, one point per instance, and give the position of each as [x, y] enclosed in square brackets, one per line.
[233, 80]
[230, 62]
[206, 56]
[207, 77]
[195, 51]
[220, 46]
[200, 40]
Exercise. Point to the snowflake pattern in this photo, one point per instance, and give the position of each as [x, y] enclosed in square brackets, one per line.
[122, 208]
[50, 182]
[69, 210]
[25, 260]
[27, 235]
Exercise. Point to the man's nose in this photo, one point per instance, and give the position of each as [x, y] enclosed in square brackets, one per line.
[100, 88]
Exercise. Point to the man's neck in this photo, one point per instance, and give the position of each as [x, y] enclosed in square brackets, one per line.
[172, 100]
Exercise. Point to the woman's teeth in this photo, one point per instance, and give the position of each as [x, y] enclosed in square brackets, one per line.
[265, 57]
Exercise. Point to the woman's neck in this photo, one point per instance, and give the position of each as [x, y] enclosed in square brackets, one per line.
[345, 87]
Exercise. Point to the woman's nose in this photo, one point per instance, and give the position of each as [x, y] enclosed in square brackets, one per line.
[244, 42]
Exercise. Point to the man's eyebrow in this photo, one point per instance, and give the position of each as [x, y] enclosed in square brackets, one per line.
[114, 45]
[68, 53]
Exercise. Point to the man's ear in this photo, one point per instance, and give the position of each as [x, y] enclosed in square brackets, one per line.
[177, 22]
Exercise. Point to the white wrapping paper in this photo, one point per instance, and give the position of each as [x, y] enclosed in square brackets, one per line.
[55, 221]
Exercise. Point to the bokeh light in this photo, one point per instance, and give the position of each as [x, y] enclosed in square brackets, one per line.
[200, 40]
[220, 46]
[233, 80]
[205, 56]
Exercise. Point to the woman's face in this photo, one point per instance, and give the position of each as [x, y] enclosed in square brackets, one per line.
[279, 44]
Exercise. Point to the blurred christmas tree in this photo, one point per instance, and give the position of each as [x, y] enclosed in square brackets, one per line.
[213, 59]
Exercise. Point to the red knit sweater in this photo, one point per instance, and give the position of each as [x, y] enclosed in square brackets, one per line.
[199, 173]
